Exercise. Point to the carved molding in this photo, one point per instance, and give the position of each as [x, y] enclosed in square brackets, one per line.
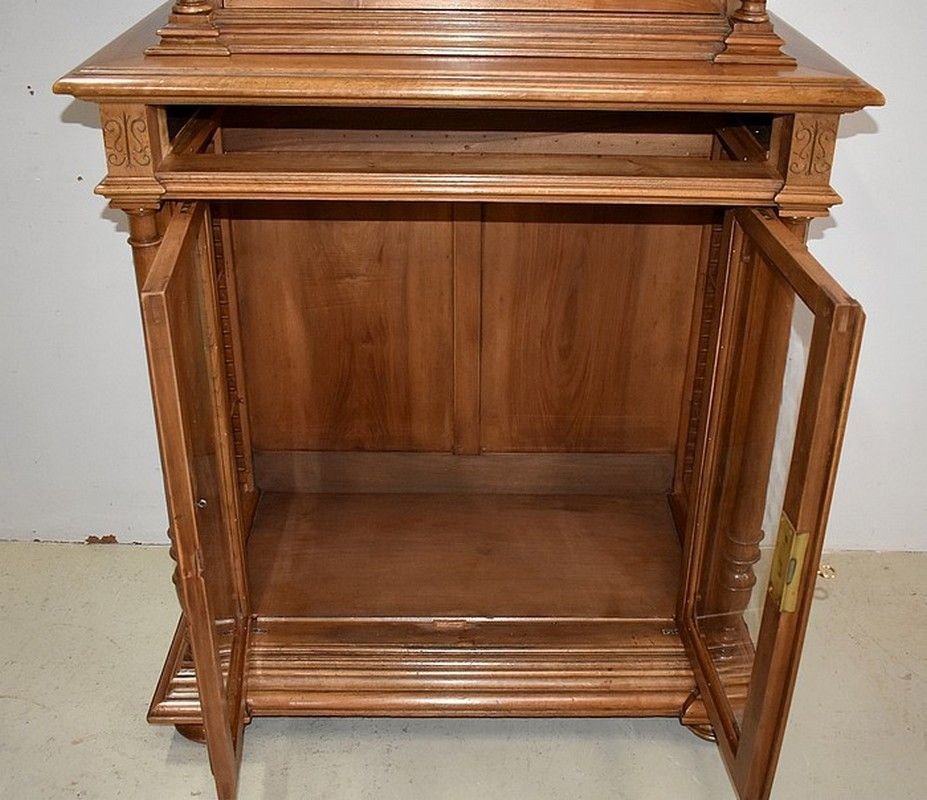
[709, 318]
[132, 192]
[382, 30]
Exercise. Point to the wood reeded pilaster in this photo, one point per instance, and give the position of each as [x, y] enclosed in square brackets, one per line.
[752, 39]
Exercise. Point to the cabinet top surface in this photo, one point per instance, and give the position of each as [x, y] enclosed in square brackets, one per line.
[123, 71]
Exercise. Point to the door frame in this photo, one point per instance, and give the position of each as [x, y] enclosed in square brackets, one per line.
[187, 244]
[750, 749]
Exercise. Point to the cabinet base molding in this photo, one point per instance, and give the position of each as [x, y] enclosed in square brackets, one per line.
[446, 668]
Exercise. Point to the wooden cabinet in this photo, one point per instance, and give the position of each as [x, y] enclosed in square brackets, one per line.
[491, 372]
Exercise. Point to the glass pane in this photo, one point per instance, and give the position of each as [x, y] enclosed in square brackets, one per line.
[756, 441]
[195, 368]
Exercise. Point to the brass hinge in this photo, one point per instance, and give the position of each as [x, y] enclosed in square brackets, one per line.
[788, 563]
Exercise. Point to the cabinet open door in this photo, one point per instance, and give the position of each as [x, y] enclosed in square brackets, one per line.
[180, 310]
[784, 356]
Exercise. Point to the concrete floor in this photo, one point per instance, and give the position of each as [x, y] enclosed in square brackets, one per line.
[85, 629]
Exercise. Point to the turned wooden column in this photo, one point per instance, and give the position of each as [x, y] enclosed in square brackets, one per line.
[194, 7]
[753, 11]
[144, 238]
[751, 418]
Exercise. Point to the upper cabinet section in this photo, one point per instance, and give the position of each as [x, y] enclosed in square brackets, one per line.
[701, 30]
[651, 55]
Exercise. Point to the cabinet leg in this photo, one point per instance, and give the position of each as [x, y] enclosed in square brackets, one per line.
[705, 732]
[195, 733]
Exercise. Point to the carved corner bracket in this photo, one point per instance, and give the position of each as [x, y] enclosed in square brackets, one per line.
[807, 164]
[753, 39]
[133, 137]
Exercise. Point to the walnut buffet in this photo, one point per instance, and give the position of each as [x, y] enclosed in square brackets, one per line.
[491, 371]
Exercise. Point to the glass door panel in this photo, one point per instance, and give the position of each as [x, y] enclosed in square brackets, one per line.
[179, 307]
[784, 359]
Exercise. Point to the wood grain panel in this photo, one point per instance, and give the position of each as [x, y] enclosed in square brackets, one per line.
[347, 325]
[453, 556]
[586, 321]
[504, 473]
[403, 130]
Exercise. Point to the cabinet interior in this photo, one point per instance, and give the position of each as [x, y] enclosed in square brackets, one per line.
[451, 408]
[465, 155]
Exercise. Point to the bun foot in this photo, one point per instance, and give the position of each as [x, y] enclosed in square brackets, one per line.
[195, 733]
[705, 732]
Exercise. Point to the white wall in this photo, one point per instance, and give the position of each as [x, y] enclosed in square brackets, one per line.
[876, 245]
[77, 446]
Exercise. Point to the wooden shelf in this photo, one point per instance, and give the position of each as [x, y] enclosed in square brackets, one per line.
[456, 605]
[476, 556]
